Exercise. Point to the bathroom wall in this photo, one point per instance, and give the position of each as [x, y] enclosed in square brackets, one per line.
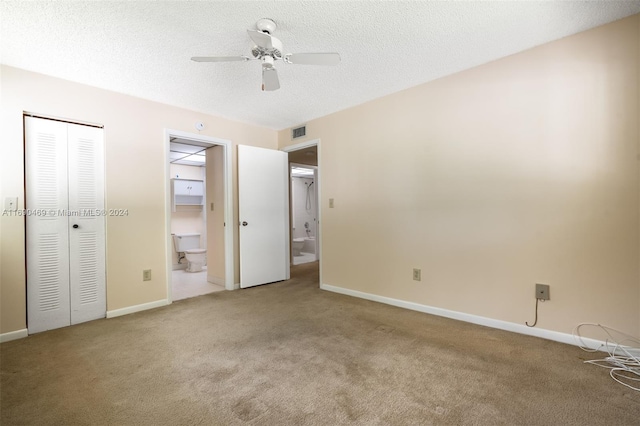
[187, 219]
[299, 203]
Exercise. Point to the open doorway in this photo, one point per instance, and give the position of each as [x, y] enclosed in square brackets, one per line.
[189, 222]
[199, 248]
[304, 204]
[304, 216]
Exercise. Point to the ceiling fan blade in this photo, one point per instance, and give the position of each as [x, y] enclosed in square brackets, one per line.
[313, 58]
[261, 39]
[220, 58]
[270, 80]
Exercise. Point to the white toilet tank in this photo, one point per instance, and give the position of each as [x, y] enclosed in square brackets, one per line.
[184, 242]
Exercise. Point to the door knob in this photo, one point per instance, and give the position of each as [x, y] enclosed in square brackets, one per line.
[244, 223]
[76, 226]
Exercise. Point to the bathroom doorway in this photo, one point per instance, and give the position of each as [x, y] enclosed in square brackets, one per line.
[304, 190]
[197, 209]
[304, 217]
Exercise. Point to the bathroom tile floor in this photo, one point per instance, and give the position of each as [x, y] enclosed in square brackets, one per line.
[190, 284]
[304, 258]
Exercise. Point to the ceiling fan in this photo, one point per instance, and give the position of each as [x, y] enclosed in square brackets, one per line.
[268, 49]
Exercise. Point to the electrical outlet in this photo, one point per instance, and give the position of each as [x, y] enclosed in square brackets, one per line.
[417, 274]
[146, 275]
[542, 292]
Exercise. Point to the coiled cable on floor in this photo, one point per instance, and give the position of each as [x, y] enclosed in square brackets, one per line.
[623, 361]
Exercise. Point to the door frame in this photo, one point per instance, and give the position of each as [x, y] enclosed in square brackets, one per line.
[318, 182]
[228, 204]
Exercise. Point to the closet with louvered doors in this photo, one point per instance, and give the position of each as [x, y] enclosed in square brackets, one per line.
[65, 223]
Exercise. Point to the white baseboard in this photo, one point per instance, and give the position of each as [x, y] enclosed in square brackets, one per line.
[14, 335]
[137, 308]
[236, 286]
[556, 336]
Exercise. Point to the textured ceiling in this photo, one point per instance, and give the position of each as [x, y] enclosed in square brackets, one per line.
[144, 48]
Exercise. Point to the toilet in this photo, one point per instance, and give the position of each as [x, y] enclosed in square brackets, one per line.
[297, 245]
[189, 244]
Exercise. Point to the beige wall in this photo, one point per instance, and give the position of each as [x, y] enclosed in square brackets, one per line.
[215, 216]
[521, 171]
[134, 129]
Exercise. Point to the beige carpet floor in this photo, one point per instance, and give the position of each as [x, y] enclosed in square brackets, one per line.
[291, 354]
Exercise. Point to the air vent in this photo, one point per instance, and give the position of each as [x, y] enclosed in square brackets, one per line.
[298, 132]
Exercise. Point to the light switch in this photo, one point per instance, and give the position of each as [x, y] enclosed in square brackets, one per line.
[330, 203]
[211, 206]
[11, 203]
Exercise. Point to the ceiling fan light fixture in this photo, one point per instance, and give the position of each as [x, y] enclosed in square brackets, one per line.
[267, 62]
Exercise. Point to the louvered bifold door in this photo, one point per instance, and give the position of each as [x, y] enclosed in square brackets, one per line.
[47, 234]
[87, 224]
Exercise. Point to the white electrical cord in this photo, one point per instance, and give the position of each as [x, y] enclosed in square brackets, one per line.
[623, 361]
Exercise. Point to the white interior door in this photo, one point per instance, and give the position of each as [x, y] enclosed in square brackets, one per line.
[263, 199]
[87, 229]
[48, 304]
[65, 224]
